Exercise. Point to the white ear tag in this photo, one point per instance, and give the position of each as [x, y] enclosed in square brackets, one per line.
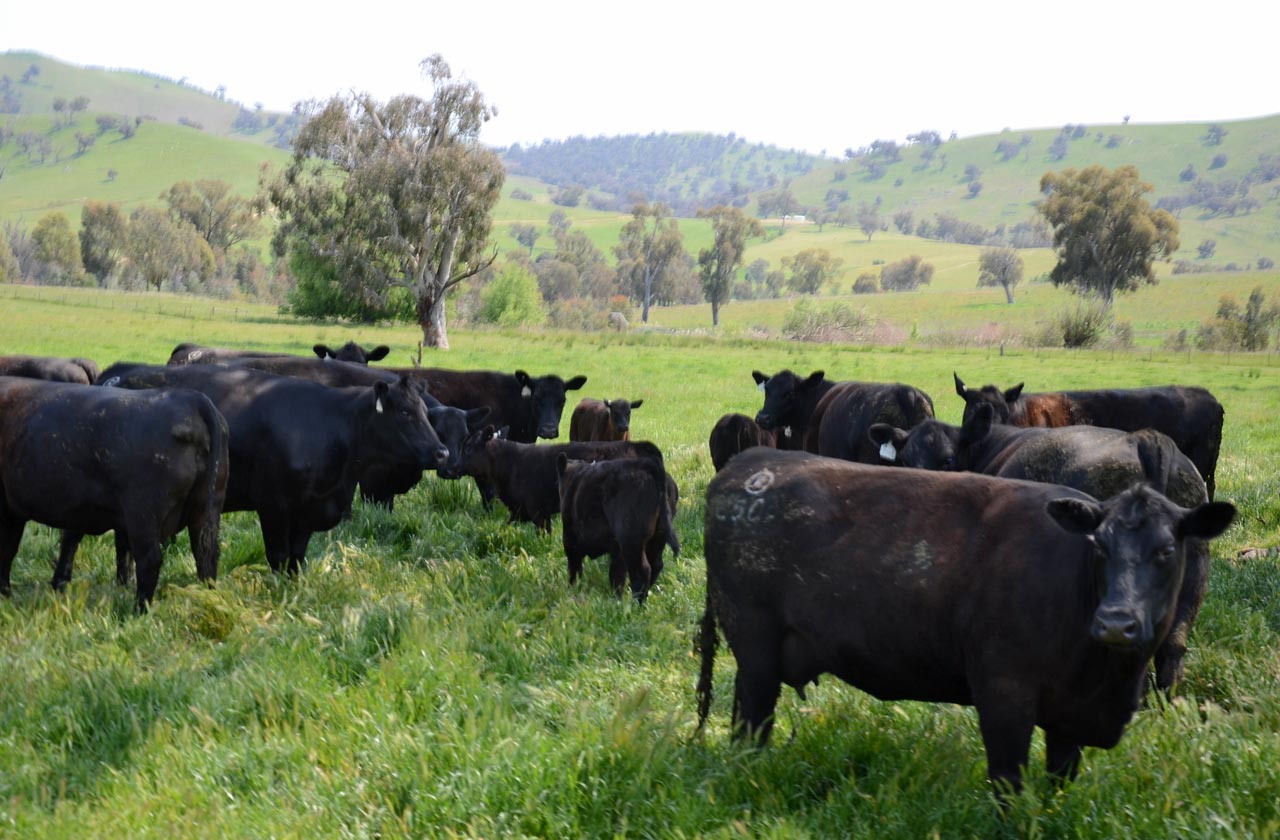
[786, 431]
[760, 387]
[887, 452]
[377, 404]
[525, 392]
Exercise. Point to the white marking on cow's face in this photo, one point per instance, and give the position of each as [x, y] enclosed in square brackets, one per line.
[526, 392]
[888, 452]
[377, 404]
[786, 431]
[112, 382]
[758, 482]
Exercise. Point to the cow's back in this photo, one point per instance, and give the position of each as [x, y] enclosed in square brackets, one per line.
[846, 413]
[49, 368]
[732, 434]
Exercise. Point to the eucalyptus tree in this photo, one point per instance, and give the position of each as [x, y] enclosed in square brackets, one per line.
[393, 195]
[717, 264]
[647, 246]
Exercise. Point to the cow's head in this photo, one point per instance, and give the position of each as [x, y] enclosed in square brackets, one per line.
[453, 426]
[782, 392]
[397, 428]
[352, 352]
[543, 399]
[477, 454]
[1000, 401]
[620, 414]
[932, 444]
[1139, 540]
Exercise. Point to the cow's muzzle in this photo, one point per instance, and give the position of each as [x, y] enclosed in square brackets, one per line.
[1117, 627]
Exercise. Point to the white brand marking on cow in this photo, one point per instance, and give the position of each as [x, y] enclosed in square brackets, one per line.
[786, 431]
[887, 452]
[377, 404]
[526, 392]
[195, 354]
[112, 382]
[759, 482]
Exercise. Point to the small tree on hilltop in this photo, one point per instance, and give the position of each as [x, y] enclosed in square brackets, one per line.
[812, 269]
[1106, 234]
[1000, 267]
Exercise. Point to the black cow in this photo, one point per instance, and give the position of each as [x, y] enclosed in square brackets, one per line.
[619, 508]
[1036, 604]
[50, 368]
[299, 448]
[1095, 460]
[191, 354]
[594, 419]
[733, 433]
[88, 460]
[1190, 416]
[832, 418]
[524, 474]
[529, 407]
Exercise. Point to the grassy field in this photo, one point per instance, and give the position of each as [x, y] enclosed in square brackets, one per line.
[431, 674]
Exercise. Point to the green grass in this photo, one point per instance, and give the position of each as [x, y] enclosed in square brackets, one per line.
[431, 674]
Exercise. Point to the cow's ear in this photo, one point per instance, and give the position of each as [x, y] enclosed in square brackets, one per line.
[979, 425]
[608, 403]
[526, 384]
[1207, 521]
[961, 388]
[636, 404]
[1013, 393]
[890, 439]
[759, 377]
[475, 415]
[815, 378]
[1076, 515]
[575, 383]
[322, 350]
[380, 390]
[378, 353]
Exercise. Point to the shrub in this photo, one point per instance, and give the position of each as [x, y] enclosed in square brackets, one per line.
[512, 299]
[809, 321]
[1083, 325]
[1265, 263]
[521, 195]
[905, 275]
[868, 283]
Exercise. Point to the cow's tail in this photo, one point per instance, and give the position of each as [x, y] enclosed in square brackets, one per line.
[704, 644]
[1157, 455]
[204, 542]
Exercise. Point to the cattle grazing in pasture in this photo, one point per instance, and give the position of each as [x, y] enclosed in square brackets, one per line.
[524, 474]
[594, 419]
[89, 460]
[620, 508]
[733, 433]
[529, 407]
[1095, 460]
[1191, 416]
[831, 418]
[194, 354]
[298, 448]
[1036, 604]
[50, 368]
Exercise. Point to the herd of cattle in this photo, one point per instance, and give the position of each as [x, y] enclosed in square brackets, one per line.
[1031, 561]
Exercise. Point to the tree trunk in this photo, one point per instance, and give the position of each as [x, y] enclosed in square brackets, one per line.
[1008, 293]
[648, 286]
[431, 317]
[715, 313]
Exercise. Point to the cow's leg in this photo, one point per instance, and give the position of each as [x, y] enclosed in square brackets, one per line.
[1061, 756]
[653, 553]
[10, 537]
[755, 692]
[147, 556]
[1006, 717]
[299, 537]
[1195, 583]
[67, 546]
[574, 556]
[203, 531]
[275, 538]
[488, 492]
[637, 566]
[617, 572]
[124, 561]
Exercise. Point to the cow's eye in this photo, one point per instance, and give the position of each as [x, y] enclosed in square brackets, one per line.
[1166, 553]
[404, 412]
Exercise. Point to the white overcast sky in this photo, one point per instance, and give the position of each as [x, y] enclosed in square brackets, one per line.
[807, 75]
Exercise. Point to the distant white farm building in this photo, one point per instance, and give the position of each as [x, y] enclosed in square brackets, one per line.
[798, 217]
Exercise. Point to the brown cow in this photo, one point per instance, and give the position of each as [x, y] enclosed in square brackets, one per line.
[1036, 604]
[733, 433]
[620, 508]
[602, 419]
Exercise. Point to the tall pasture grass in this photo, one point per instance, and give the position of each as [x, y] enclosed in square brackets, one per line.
[431, 673]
